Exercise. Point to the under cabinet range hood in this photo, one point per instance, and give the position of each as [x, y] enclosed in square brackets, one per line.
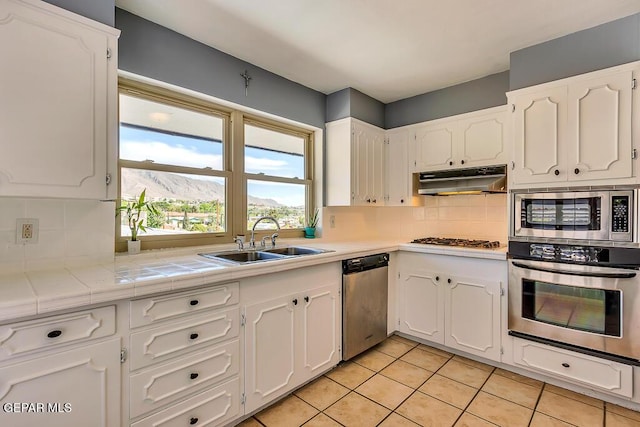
[486, 179]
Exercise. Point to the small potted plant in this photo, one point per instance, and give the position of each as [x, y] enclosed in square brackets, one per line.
[312, 221]
[133, 209]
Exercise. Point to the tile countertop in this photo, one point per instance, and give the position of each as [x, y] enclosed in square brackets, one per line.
[45, 291]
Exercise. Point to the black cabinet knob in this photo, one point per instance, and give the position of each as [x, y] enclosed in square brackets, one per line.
[374, 200]
[556, 172]
[54, 334]
[437, 278]
[193, 421]
[462, 162]
[194, 302]
[450, 163]
[401, 200]
[566, 365]
[306, 299]
[193, 336]
[448, 280]
[576, 171]
[368, 200]
[295, 301]
[193, 375]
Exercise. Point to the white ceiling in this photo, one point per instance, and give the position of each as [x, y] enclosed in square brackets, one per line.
[388, 49]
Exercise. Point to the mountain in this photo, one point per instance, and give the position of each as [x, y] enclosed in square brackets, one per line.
[163, 185]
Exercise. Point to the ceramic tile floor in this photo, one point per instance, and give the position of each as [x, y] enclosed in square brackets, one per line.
[404, 383]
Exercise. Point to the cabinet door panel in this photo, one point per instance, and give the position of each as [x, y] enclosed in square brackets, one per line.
[421, 310]
[320, 327]
[360, 165]
[87, 379]
[55, 77]
[269, 350]
[376, 164]
[600, 128]
[211, 408]
[163, 384]
[540, 121]
[434, 147]
[398, 176]
[483, 140]
[472, 311]
[159, 344]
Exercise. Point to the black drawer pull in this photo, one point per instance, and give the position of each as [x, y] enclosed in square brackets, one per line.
[193, 421]
[566, 365]
[194, 302]
[193, 336]
[54, 334]
[193, 375]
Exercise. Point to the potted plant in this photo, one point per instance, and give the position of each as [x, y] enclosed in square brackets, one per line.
[312, 221]
[133, 209]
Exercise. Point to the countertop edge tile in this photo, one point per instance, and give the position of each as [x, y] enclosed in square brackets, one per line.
[134, 275]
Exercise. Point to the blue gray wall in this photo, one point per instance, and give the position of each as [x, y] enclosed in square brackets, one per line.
[98, 10]
[153, 51]
[607, 45]
[475, 95]
[350, 102]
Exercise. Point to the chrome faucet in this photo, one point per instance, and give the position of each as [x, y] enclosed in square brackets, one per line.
[252, 242]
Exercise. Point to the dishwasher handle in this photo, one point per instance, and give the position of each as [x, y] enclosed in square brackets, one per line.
[356, 265]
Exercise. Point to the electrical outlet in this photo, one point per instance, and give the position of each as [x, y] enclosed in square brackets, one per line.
[332, 221]
[26, 230]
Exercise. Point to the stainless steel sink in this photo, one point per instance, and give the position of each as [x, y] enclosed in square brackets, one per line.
[244, 257]
[295, 251]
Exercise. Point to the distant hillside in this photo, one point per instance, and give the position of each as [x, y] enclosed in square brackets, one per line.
[178, 187]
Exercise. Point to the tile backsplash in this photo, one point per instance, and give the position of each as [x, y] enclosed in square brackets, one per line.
[71, 232]
[481, 216]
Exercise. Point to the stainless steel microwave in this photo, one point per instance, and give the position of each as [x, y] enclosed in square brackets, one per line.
[606, 215]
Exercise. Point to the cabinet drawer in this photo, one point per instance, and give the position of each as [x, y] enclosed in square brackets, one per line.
[606, 375]
[159, 344]
[150, 310]
[214, 407]
[158, 386]
[23, 337]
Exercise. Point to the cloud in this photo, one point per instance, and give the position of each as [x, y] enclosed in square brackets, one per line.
[167, 154]
[261, 164]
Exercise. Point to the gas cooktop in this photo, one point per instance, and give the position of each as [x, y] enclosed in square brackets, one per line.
[445, 241]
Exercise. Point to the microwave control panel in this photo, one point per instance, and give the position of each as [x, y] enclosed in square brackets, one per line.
[620, 214]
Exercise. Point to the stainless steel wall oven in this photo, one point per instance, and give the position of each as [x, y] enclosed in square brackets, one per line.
[574, 271]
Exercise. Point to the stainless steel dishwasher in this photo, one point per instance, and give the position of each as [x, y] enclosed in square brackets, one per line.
[364, 303]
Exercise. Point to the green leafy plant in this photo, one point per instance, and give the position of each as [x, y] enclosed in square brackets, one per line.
[133, 209]
[312, 220]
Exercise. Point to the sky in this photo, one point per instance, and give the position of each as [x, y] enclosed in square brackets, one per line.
[140, 144]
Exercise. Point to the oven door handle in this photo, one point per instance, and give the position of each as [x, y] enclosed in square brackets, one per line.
[629, 275]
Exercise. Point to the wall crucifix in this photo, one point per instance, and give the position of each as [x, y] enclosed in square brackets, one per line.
[246, 78]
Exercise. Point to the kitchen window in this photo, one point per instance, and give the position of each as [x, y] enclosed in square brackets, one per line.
[210, 171]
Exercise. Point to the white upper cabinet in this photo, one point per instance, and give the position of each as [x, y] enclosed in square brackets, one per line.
[399, 179]
[466, 140]
[575, 130]
[355, 164]
[58, 80]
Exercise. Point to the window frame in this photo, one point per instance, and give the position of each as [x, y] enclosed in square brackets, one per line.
[232, 168]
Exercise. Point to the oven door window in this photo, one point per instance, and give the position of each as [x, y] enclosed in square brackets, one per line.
[585, 309]
[581, 214]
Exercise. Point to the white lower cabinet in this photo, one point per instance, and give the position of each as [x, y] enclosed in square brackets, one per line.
[185, 361]
[213, 407]
[291, 338]
[79, 387]
[439, 304]
[593, 372]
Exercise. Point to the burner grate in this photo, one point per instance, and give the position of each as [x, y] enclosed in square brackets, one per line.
[445, 241]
